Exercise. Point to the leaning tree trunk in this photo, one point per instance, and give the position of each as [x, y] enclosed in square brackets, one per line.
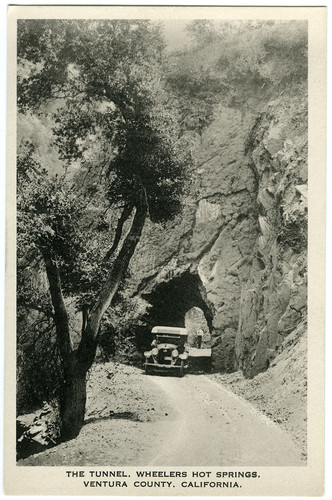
[73, 388]
[72, 402]
[77, 362]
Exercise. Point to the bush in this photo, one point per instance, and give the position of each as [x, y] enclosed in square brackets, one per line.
[38, 364]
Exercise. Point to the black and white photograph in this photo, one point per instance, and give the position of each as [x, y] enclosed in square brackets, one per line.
[161, 250]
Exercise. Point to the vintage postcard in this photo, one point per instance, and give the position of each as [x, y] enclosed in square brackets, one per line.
[165, 251]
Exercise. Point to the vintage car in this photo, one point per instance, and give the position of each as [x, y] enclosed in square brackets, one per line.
[169, 352]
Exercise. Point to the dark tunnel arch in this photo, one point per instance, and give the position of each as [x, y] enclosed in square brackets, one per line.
[171, 300]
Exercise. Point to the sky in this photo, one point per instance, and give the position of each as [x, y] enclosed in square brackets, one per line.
[176, 35]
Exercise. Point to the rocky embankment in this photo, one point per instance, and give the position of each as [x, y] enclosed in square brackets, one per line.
[239, 250]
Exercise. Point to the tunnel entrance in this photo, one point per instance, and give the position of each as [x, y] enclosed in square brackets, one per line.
[180, 302]
[195, 321]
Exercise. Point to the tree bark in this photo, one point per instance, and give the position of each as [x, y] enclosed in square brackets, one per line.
[73, 386]
[73, 401]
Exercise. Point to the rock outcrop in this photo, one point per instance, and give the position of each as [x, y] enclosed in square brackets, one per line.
[239, 249]
[274, 298]
[37, 431]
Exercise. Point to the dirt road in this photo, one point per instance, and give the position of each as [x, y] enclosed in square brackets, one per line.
[215, 427]
[133, 419]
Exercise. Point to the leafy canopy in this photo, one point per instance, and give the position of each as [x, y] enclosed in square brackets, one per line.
[269, 51]
[115, 129]
[234, 61]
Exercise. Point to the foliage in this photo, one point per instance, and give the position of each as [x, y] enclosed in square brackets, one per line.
[198, 90]
[110, 95]
[270, 50]
[113, 119]
[38, 362]
[52, 216]
[69, 58]
[234, 60]
[121, 324]
[39, 373]
[113, 156]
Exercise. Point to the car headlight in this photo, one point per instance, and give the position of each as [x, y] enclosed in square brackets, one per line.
[147, 354]
[154, 351]
[184, 356]
[175, 353]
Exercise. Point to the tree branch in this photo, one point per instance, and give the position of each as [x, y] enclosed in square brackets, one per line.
[61, 318]
[118, 232]
[89, 339]
[35, 307]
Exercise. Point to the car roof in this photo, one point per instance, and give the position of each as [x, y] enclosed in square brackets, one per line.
[169, 330]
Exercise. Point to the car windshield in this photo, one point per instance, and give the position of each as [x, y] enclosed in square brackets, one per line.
[171, 339]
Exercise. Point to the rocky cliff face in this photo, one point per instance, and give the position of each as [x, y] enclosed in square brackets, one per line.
[274, 299]
[239, 250]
